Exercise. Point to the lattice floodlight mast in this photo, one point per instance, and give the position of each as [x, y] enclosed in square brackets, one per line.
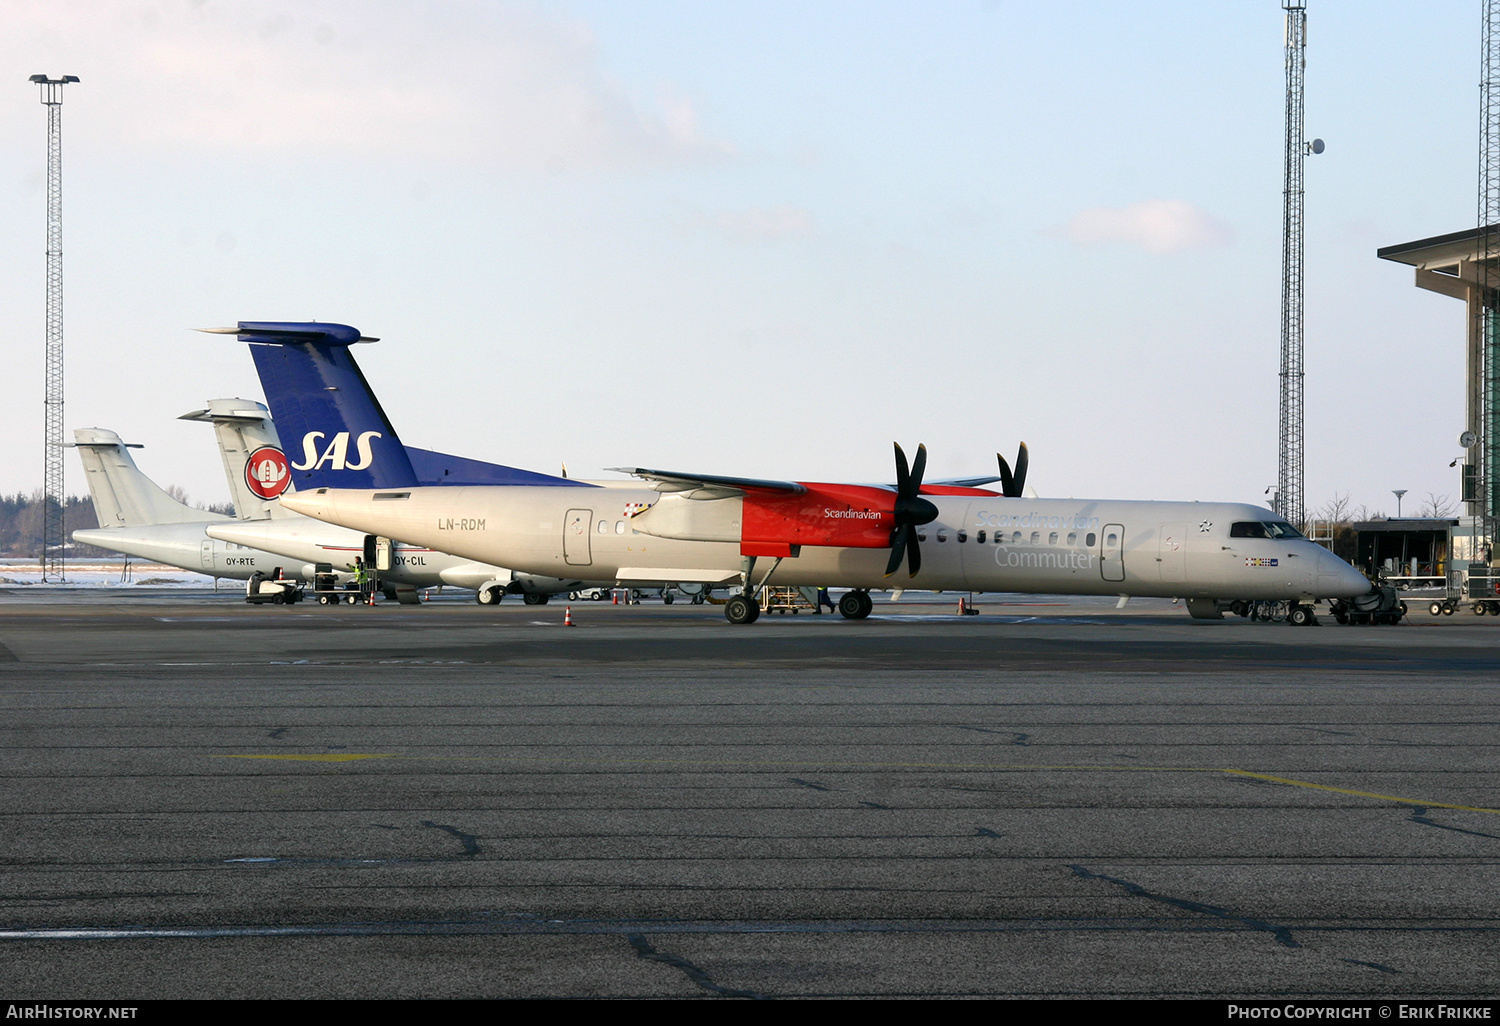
[1289, 482]
[1486, 453]
[53, 498]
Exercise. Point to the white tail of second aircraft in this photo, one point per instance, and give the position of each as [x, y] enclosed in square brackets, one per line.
[254, 464]
[123, 496]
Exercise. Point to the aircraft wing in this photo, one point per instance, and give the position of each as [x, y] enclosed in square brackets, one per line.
[672, 481]
[964, 482]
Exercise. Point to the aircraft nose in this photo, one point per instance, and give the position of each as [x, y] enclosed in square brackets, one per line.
[1337, 579]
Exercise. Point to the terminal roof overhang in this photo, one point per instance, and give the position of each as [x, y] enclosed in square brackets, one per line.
[1441, 252]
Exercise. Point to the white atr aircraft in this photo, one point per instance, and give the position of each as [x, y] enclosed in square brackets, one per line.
[141, 519]
[353, 470]
[138, 518]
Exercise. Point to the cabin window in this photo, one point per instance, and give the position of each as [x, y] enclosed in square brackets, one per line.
[604, 527]
[942, 534]
[963, 536]
[1111, 539]
[1036, 537]
[1015, 539]
[619, 527]
[1072, 537]
[979, 538]
[921, 536]
[1052, 538]
[1088, 539]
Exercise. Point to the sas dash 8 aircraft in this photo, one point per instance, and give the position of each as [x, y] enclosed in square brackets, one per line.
[259, 476]
[352, 470]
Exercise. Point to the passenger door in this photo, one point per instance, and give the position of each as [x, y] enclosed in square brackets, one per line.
[1112, 552]
[576, 551]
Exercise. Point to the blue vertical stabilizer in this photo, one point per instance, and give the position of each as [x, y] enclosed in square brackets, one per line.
[335, 433]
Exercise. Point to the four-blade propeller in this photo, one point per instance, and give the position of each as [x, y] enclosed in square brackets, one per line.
[911, 511]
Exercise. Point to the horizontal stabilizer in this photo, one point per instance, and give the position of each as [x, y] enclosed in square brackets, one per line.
[293, 333]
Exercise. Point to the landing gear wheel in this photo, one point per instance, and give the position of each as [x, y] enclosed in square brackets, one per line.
[536, 598]
[856, 605]
[1299, 616]
[741, 609]
[667, 598]
[1239, 607]
[488, 596]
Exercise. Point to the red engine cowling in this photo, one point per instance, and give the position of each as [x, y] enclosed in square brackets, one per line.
[849, 516]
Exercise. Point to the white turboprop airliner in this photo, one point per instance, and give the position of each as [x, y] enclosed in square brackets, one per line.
[715, 529]
[140, 519]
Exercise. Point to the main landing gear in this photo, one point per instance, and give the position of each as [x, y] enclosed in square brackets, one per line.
[742, 609]
[856, 605]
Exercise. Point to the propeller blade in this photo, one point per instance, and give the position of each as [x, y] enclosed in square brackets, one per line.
[914, 564]
[1007, 480]
[903, 474]
[918, 467]
[1013, 485]
[898, 550]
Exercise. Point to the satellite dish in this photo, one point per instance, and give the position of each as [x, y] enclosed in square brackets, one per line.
[1316, 146]
[1467, 439]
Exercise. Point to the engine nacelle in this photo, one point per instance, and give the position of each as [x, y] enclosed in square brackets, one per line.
[851, 516]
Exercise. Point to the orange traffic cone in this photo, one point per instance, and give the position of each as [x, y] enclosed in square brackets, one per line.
[614, 598]
[568, 617]
[962, 608]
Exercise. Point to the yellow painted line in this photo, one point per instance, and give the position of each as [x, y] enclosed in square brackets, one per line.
[308, 758]
[994, 767]
[1358, 794]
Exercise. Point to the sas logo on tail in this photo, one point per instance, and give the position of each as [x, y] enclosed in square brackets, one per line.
[336, 455]
[266, 472]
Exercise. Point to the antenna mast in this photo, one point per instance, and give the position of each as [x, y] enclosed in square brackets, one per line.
[53, 498]
[1289, 484]
[1487, 449]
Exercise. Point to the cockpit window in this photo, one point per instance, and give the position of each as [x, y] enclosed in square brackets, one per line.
[1266, 529]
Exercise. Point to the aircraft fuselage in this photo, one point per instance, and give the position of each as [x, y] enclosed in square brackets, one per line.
[977, 543]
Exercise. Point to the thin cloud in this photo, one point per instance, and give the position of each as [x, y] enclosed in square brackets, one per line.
[1156, 226]
[500, 85]
[760, 224]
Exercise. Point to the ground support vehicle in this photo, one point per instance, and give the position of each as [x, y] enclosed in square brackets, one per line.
[260, 589]
[783, 600]
[1477, 585]
[1382, 605]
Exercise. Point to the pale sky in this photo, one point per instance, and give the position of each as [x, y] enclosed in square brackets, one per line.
[762, 239]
